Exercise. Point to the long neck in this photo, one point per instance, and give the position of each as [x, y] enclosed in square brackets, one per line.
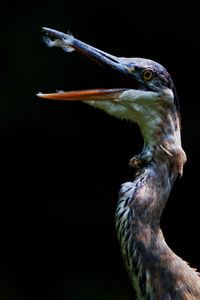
[142, 201]
[158, 166]
[155, 271]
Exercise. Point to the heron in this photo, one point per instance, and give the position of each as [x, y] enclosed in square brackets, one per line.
[147, 97]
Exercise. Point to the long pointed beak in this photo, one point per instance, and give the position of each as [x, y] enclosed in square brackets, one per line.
[69, 43]
[100, 57]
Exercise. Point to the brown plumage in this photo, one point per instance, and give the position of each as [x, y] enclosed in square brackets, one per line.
[155, 271]
[151, 101]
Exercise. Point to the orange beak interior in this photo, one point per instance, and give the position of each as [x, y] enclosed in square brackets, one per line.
[86, 95]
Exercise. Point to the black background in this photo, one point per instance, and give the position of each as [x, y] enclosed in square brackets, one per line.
[62, 164]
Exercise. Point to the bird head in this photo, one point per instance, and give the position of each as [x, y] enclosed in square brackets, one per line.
[147, 94]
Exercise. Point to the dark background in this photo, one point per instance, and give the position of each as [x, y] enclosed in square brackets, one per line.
[62, 164]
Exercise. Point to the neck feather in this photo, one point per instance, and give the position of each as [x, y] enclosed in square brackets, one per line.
[143, 200]
[138, 213]
[155, 271]
[162, 140]
[151, 264]
[158, 166]
[140, 206]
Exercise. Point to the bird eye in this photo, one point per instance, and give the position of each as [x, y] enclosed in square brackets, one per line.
[147, 75]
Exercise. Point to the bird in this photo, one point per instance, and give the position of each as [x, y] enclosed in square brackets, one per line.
[147, 97]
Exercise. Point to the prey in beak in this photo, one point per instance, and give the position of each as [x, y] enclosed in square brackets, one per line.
[146, 93]
[147, 96]
[122, 68]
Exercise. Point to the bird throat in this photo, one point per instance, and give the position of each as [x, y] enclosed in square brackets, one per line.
[142, 202]
[162, 142]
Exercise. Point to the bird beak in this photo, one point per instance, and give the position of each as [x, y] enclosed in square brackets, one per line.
[106, 60]
[86, 95]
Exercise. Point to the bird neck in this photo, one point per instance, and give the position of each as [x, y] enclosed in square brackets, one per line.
[140, 206]
[162, 141]
[142, 201]
[138, 213]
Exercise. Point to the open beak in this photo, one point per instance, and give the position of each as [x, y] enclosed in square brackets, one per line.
[111, 62]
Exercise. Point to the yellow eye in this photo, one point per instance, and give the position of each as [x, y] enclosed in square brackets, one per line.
[147, 75]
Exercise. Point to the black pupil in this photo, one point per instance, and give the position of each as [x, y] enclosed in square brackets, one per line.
[148, 74]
